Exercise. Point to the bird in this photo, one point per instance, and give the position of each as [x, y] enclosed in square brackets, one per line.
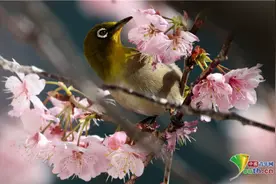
[127, 67]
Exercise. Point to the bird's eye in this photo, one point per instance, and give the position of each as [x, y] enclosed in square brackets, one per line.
[102, 33]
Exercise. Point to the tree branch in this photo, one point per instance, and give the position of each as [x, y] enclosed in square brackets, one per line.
[16, 68]
[168, 167]
[199, 20]
[188, 67]
[187, 110]
[188, 62]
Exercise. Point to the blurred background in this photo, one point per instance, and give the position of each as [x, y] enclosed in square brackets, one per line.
[50, 35]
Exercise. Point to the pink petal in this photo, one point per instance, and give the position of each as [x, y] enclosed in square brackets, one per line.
[57, 103]
[34, 85]
[116, 140]
[37, 102]
[159, 22]
[217, 77]
[19, 104]
[211, 92]
[31, 121]
[137, 167]
[142, 17]
[190, 37]
[85, 174]
[14, 85]
[244, 81]
[139, 36]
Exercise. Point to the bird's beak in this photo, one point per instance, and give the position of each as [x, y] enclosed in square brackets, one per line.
[119, 25]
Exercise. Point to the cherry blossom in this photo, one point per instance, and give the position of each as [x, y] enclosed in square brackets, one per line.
[212, 92]
[123, 161]
[244, 81]
[25, 89]
[149, 25]
[188, 128]
[172, 47]
[141, 35]
[34, 120]
[150, 38]
[14, 165]
[123, 157]
[179, 46]
[77, 113]
[116, 140]
[181, 134]
[156, 46]
[86, 162]
[58, 106]
[38, 146]
[54, 133]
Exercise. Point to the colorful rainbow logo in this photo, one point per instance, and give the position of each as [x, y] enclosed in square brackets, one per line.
[240, 160]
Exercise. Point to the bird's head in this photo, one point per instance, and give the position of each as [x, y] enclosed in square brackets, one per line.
[100, 43]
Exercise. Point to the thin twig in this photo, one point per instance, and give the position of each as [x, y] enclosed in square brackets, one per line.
[199, 20]
[15, 67]
[188, 62]
[187, 110]
[168, 167]
[188, 67]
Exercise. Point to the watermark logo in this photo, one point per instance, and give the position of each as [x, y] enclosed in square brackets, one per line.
[246, 166]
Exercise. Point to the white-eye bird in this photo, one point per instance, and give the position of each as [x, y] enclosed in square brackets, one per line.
[123, 66]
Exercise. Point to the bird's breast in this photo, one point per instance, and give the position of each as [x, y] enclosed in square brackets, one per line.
[140, 77]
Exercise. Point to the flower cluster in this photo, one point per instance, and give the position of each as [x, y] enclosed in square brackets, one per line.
[14, 165]
[58, 135]
[57, 128]
[152, 37]
[233, 89]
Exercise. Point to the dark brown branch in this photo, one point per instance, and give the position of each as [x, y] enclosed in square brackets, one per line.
[227, 116]
[188, 62]
[13, 67]
[168, 166]
[187, 110]
[199, 20]
[188, 67]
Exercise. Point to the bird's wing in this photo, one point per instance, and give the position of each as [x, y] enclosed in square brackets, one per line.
[163, 82]
[139, 76]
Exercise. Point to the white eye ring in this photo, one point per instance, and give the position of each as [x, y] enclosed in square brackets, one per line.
[102, 33]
